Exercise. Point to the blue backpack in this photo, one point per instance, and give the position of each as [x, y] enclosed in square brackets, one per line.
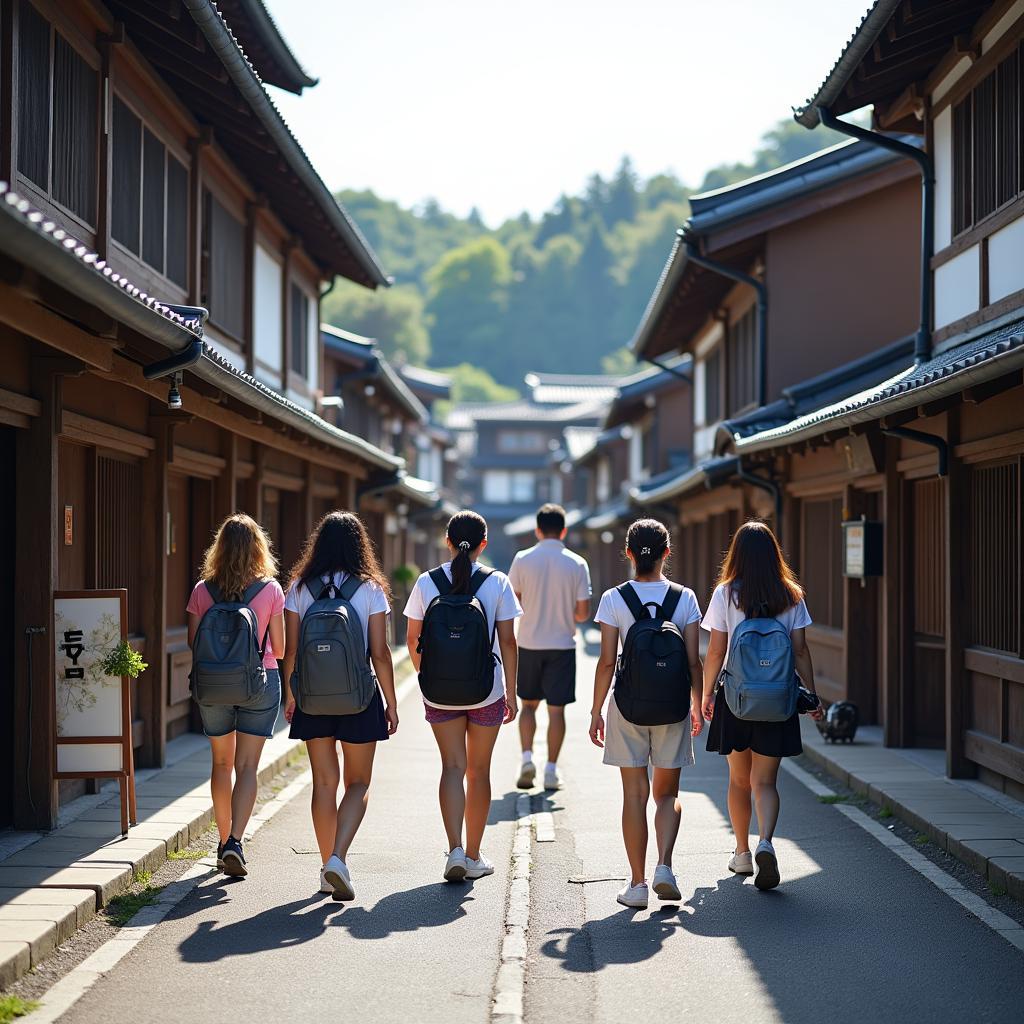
[760, 676]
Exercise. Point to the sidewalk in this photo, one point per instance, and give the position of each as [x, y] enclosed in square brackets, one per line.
[973, 822]
[52, 883]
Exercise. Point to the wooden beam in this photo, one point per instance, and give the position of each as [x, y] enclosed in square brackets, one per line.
[957, 610]
[892, 607]
[983, 392]
[24, 315]
[226, 487]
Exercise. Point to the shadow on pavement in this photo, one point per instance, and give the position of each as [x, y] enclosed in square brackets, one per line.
[427, 906]
[619, 939]
[503, 808]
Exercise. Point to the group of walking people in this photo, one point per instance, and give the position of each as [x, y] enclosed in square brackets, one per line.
[329, 635]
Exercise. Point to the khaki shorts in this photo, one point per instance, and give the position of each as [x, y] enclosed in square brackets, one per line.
[636, 746]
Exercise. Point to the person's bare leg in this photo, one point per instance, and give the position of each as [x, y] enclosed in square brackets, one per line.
[451, 742]
[222, 750]
[528, 723]
[739, 798]
[358, 768]
[764, 774]
[323, 761]
[667, 814]
[636, 789]
[556, 731]
[243, 795]
[480, 740]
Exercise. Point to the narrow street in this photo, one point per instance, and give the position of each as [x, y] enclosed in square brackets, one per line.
[414, 948]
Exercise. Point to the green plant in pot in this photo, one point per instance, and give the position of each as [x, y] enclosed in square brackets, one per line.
[123, 660]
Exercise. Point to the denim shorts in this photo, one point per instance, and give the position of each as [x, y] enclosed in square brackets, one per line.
[255, 719]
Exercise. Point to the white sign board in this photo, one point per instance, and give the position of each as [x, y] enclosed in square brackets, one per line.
[855, 550]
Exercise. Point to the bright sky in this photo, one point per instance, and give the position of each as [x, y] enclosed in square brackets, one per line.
[507, 105]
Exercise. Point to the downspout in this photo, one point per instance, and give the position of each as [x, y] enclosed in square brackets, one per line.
[923, 340]
[693, 254]
[668, 369]
[766, 485]
[940, 444]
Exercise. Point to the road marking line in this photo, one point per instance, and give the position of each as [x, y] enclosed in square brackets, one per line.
[995, 919]
[507, 1007]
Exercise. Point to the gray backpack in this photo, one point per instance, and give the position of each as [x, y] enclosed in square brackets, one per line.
[227, 656]
[332, 669]
[760, 677]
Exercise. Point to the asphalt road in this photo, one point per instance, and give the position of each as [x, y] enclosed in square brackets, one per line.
[853, 934]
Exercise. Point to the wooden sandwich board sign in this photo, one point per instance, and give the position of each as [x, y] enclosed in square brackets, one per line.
[92, 711]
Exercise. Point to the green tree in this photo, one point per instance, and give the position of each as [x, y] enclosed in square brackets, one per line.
[619, 363]
[622, 194]
[395, 317]
[472, 384]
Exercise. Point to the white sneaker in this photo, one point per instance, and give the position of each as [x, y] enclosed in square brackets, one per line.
[742, 863]
[552, 778]
[325, 886]
[337, 876]
[456, 866]
[527, 774]
[479, 867]
[634, 896]
[767, 876]
[664, 884]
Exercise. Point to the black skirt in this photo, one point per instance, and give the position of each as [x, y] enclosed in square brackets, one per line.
[368, 726]
[728, 734]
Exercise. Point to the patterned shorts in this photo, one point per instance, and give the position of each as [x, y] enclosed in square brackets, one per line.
[489, 714]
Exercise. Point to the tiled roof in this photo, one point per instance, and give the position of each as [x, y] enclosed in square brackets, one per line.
[611, 514]
[428, 381]
[462, 417]
[675, 482]
[579, 440]
[998, 351]
[527, 523]
[569, 388]
[266, 46]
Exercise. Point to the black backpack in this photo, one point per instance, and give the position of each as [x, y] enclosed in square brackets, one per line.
[652, 685]
[456, 648]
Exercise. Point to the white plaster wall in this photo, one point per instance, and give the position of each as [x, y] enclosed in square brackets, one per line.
[267, 311]
[1006, 261]
[313, 361]
[698, 393]
[943, 156]
[956, 287]
[703, 442]
[959, 70]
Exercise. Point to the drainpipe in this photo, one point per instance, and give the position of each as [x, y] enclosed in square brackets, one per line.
[923, 340]
[766, 485]
[668, 369]
[940, 444]
[693, 254]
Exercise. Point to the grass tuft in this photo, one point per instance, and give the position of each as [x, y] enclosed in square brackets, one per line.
[12, 1007]
[921, 839]
[832, 798]
[885, 812]
[996, 890]
[188, 854]
[121, 909]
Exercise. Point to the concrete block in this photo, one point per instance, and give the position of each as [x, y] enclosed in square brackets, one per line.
[105, 882]
[82, 900]
[15, 960]
[64, 918]
[41, 936]
[1009, 873]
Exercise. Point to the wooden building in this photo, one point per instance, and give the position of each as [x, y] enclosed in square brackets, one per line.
[162, 185]
[789, 290]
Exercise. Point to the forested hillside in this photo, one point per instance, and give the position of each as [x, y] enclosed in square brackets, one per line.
[560, 293]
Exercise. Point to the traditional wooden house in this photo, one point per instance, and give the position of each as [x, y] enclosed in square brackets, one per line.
[933, 454]
[789, 290]
[149, 179]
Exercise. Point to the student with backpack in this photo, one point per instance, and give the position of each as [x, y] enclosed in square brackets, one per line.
[756, 618]
[649, 643]
[553, 586]
[461, 637]
[236, 632]
[338, 663]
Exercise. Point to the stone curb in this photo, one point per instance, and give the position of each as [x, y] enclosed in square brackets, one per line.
[510, 982]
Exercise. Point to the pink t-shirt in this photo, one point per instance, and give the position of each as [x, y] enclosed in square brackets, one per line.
[266, 604]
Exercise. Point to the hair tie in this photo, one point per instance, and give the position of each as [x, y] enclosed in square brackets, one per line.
[464, 545]
[645, 551]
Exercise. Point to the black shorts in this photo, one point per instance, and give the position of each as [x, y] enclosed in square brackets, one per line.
[369, 726]
[547, 675]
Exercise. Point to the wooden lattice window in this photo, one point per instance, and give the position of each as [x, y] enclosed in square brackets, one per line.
[299, 331]
[993, 560]
[713, 386]
[741, 363]
[821, 559]
[224, 267]
[118, 531]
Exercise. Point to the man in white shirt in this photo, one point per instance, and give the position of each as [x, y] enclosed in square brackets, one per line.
[553, 586]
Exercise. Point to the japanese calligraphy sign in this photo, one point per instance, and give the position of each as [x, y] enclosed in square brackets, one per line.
[92, 717]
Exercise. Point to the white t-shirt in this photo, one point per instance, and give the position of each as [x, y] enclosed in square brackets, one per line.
[550, 579]
[500, 604]
[368, 600]
[612, 610]
[723, 615]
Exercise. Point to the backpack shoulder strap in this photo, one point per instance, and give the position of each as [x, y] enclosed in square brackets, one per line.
[214, 591]
[479, 578]
[252, 590]
[632, 599]
[441, 581]
[348, 589]
[671, 602]
[316, 587]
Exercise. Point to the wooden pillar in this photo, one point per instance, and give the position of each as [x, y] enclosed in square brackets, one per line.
[195, 215]
[248, 279]
[254, 485]
[106, 150]
[225, 500]
[859, 679]
[152, 688]
[35, 570]
[308, 502]
[893, 612]
[957, 483]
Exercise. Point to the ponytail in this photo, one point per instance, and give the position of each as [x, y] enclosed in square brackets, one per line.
[647, 542]
[467, 531]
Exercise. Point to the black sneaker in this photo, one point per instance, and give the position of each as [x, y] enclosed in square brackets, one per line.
[220, 856]
[234, 860]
